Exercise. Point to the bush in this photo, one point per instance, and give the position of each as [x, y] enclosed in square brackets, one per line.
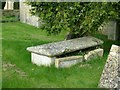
[79, 18]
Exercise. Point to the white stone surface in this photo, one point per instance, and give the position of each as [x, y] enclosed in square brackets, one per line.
[25, 15]
[42, 60]
[94, 54]
[9, 5]
[68, 61]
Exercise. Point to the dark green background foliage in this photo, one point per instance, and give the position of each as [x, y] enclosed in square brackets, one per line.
[79, 18]
[2, 4]
[16, 5]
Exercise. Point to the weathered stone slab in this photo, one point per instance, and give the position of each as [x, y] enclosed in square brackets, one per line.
[110, 77]
[68, 61]
[94, 54]
[42, 60]
[58, 48]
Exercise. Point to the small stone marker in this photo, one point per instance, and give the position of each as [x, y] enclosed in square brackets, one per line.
[94, 54]
[110, 77]
[46, 54]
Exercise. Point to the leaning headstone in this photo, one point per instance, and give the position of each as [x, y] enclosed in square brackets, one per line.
[110, 77]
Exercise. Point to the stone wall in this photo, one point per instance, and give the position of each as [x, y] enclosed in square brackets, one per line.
[10, 13]
[9, 16]
[26, 17]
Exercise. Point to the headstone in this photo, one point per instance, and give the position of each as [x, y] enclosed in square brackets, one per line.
[25, 15]
[94, 54]
[111, 29]
[113, 33]
[45, 54]
[68, 61]
[110, 77]
[9, 5]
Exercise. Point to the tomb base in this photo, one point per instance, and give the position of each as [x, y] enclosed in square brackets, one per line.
[42, 60]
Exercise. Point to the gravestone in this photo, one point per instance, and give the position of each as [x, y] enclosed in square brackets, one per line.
[110, 77]
[111, 29]
[9, 5]
[25, 15]
[47, 53]
[113, 32]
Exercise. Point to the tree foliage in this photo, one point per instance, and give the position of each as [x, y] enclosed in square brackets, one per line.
[79, 18]
[16, 5]
[2, 5]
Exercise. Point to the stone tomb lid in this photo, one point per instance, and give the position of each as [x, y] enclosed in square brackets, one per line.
[58, 48]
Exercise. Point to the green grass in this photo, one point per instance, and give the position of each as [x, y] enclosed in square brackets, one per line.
[18, 36]
[0, 55]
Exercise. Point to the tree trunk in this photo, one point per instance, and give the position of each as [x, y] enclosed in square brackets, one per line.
[70, 35]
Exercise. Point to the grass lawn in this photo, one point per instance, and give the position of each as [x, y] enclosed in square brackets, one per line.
[0, 56]
[19, 72]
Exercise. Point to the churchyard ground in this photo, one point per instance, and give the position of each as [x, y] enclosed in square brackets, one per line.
[19, 72]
